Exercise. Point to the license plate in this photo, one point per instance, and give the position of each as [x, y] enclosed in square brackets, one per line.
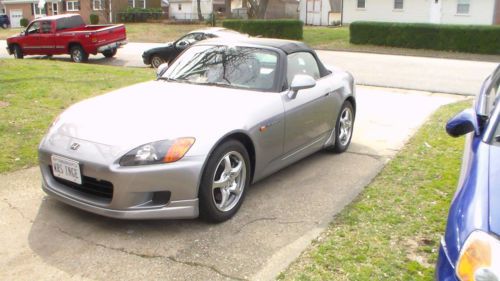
[67, 169]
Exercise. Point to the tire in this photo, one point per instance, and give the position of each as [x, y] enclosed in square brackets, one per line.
[156, 61]
[18, 53]
[227, 174]
[78, 54]
[109, 53]
[343, 128]
[4, 25]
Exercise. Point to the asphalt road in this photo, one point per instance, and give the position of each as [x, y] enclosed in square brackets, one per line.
[405, 72]
[42, 239]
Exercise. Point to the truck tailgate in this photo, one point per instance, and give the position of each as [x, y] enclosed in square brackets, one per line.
[109, 34]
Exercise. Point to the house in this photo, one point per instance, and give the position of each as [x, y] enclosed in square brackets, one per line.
[276, 9]
[321, 12]
[485, 12]
[106, 9]
[188, 9]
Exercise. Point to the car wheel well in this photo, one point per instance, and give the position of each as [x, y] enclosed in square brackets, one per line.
[247, 142]
[72, 44]
[353, 103]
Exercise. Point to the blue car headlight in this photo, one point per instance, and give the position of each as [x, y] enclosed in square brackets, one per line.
[479, 258]
[165, 151]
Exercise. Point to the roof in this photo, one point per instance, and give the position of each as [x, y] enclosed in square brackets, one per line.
[56, 17]
[287, 46]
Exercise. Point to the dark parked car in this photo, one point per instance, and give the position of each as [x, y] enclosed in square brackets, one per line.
[171, 50]
[4, 21]
[470, 248]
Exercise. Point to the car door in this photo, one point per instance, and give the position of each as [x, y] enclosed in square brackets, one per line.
[46, 40]
[186, 41]
[31, 35]
[309, 117]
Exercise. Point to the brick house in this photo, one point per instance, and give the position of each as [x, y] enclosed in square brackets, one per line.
[106, 9]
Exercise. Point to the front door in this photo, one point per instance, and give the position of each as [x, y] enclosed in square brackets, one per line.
[313, 12]
[435, 11]
[15, 18]
[55, 8]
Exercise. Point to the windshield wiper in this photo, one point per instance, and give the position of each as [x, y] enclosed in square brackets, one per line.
[220, 84]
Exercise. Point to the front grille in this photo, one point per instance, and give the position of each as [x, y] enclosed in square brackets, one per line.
[93, 186]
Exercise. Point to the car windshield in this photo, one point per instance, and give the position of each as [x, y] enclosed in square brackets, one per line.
[236, 67]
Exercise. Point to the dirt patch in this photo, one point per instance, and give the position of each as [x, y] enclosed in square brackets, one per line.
[4, 104]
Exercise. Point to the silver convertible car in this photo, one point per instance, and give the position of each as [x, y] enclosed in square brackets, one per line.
[221, 116]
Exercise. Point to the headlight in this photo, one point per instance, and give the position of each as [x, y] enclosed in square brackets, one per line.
[479, 258]
[165, 151]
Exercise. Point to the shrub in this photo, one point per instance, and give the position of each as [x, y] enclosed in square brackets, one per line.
[284, 28]
[479, 39]
[24, 22]
[94, 19]
[140, 15]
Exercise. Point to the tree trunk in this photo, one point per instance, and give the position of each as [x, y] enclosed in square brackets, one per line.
[200, 16]
[227, 4]
[262, 9]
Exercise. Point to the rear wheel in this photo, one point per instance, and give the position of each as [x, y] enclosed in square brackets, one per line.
[109, 53]
[78, 54]
[343, 128]
[4, 25]
[224, 180]
[156, 61]
[18, 53]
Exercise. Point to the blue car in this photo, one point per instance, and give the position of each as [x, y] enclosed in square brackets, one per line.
[470, 248]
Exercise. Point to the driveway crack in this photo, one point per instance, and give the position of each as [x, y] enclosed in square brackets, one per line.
[373, 156]
[254, 221]
[14, 208]
[149, 256]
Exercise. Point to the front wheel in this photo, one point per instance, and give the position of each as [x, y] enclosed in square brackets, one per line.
[343, 128]
[4, 25]
[18, 53]
[224, 181]
[78, 54]
[156, 61]
[109, 53]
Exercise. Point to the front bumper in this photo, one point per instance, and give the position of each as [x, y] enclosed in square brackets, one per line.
[110, 46]
[445, 270]
[134, 190]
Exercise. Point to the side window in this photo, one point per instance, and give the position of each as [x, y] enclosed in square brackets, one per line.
[46, 27]
[34, 28]
[301, 63]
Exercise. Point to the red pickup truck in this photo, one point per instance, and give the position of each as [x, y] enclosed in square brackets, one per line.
[67, 34]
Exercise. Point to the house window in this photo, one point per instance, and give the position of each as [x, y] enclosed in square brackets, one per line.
[398, 4]
[179, 7]
[137, 4]
[37, 12]
[97, 5]
[361, 4]
[72, 6]
[463, 6]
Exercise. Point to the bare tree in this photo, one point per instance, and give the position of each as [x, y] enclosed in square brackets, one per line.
[227, 4]
[257, 8]
[200, 16]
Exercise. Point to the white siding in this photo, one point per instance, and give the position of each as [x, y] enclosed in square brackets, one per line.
[184, 14]
[383, 10]
[314, 12]
[481, 11]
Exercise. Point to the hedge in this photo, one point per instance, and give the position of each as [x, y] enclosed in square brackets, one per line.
[140, 15]
[479, 39]
[285, 28]
[94, 19]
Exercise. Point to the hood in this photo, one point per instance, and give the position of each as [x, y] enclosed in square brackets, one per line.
[156, 49]
[494, 185]
[159, 110]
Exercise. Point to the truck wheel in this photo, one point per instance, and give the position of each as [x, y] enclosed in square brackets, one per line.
[18, 53]
[78, 54]
[4, 26]
[109, 53]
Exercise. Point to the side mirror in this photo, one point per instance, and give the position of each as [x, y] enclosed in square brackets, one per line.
[182, 44]
[161, 69]
[300, 82]
[463, 123]
[23, 33]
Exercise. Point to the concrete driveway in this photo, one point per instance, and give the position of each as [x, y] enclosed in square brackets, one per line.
[405, 72]
[42, 239]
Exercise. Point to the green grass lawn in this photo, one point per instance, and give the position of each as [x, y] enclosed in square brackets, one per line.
[392, 230]
[5, 33]
[33, 92]
[158, 32]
